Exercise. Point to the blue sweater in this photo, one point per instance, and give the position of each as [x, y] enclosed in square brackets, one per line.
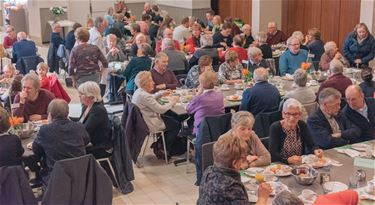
[262, 97]
[290, 62]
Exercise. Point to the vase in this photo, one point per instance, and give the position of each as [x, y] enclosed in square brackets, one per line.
[57, 18]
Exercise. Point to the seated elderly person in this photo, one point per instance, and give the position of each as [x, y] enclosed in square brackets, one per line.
[242, 125]
[315, 44]
[32, 102]
[254, 99]
[192, 79]
[167, 33]
[261, 43]
[301, 38]
[275, 36]
[163, 77]
[137, 64]
[230, 71]
[59, 139]
[330, 52]
[176, 59]
[138, 40]
[229, 154]
[292, 59]
[223, 39]
[237, 47]
[256, 59]
[336, 78]
[11, 149]
[151, 110]
[360, 111]
[94, 118]
[194, 41]
[207, 101]
[328, 127]
[51, 82]
[290, 138]
[205, 49]
[368, 85]
[23, 47]
[303, 94]
[6, 77]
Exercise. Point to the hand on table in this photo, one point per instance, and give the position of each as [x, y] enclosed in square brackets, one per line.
[319, 153]
[295, 160]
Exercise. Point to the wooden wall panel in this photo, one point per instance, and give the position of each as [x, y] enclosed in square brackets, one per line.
[335, 18]
[235, 9]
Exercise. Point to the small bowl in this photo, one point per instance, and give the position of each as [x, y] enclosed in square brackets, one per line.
[304, 175]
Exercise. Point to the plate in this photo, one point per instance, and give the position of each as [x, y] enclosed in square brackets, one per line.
[280, 170]
[315, 161]
[307, 201]
[253, 170]
[359, 147]
[333, 186]
[224, 88]
[277, 187]
[234, 98]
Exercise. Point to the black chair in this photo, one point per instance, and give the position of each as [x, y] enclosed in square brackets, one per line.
[25, 64]
[263, 122]
[265, 142]
[181, 78]
[207, 156]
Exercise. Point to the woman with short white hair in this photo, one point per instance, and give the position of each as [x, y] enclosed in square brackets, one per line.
[94, 116]
[330, 52]
[152, 111]
[290, 137]
[303, 94]
[261, 43]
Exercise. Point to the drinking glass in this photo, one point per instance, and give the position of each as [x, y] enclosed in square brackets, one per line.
[353, 181]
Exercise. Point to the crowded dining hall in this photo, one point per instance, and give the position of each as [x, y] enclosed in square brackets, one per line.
[185, 102]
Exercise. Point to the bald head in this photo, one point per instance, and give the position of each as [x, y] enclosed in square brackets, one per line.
[260, 74]
[21, 36]
[354, 97]
[272, 27]
[167, 33]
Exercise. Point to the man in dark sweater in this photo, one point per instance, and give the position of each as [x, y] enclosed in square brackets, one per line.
[262, 97]
[32, 102]
[162, 76]
[60, 139]
[223, 38]
[360, 111]
[328, 127]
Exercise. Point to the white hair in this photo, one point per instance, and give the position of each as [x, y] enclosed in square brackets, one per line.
[253, 51]
[335, 66]
[90, 89]
[291, 102]
[329, 46]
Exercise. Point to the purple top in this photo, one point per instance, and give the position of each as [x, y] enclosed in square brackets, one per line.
[209, 103]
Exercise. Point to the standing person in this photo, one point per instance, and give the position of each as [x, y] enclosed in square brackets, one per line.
[10, 38]
[182, 32]
[275, 36]
[84, 58]
[56, 39]
[359, 46]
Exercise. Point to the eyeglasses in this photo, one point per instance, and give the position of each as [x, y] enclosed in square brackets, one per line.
[290, 114]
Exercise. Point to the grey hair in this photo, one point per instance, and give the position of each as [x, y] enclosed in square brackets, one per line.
[111, 36]
[242, 118]
[327, 93]
[290, 39]
[160, 55]
[285, 197]
[300, 77]
[291, 102]
[32, 77]
[142, 78]
[145, 48]
[299, 35]
[140, 35]
[58, 108]
[260, 74]
[261, 37]
[90, 89]
[330, 45]
[167, 43]
[335, 66]
[253, 51]
[206, 40]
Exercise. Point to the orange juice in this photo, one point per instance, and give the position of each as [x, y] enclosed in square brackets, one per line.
[259, 177]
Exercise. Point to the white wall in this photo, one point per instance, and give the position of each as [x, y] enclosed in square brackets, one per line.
[367, 13]
[264, 11]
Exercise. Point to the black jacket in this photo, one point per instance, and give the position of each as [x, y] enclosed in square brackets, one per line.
[14, 187]
[121, 157]
[210, 130]
[52, 58]
[11, 150]
[321, 131]
[367, 126]
[218, 38]
[79, 180]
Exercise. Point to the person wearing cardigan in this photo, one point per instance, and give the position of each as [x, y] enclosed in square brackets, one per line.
[290, 137]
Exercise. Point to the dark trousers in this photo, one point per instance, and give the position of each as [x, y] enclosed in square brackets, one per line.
[114, 83]
[171, 131]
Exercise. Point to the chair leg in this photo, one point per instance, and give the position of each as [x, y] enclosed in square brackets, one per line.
[165, 148]
[112, 170]
[144, 149]
[187, 155]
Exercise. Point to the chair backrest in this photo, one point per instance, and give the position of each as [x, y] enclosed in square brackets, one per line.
[207, 156]
[28, 63]
[310, 108]
[263, 122]
[265, 141]
[271, 63]
[181, 78]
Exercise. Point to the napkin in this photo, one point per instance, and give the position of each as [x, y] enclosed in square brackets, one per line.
[336, 163]
[352, 153]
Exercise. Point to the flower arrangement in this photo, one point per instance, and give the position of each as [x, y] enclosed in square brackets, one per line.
[57, 11]
[305, 65]
[246, 74]
[239, 22]
[15, 125]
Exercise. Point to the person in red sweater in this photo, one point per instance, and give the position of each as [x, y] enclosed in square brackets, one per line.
[193, 42]
[237, 47]
[10, 38]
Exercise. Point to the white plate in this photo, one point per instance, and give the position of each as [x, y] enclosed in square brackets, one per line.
[359, 147]
[253, 170]
[234, 98]
[224, 88]
[315, 162]
[307, 201]
[333, 186]
[283, 172]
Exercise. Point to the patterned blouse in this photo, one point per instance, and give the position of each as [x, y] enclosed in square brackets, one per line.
[292, 144]
[228, 73]
[192, 79]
